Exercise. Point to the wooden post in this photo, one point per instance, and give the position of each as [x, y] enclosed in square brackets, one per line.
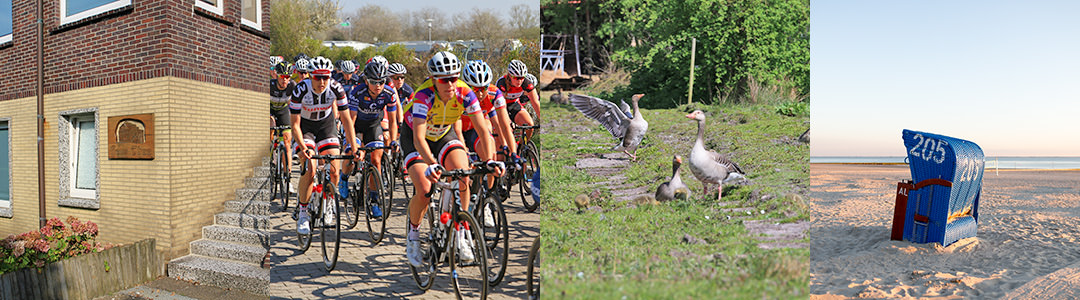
[693, 48]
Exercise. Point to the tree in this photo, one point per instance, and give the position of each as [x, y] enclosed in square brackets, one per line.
[523, 22]
[483, 25]
[291, 22]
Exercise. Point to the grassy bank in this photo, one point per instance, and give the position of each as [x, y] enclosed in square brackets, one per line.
[639, 252]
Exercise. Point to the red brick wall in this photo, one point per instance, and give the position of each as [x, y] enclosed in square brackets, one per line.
[155, 38]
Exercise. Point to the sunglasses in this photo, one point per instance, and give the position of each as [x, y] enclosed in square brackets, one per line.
[447, 80]
[517, 77]
[283, 76]
[376, 81]
[321, 78]
[397, 77]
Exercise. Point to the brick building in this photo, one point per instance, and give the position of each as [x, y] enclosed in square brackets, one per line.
[198, 66]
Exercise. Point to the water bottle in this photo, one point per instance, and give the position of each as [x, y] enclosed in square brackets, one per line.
[444, 207]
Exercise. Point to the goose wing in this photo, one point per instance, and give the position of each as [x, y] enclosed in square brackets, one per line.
[608, 114]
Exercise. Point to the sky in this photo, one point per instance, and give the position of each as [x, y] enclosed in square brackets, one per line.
[454, 6]
[1002, 74]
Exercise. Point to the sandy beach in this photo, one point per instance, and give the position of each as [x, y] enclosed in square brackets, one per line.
[1028, 245]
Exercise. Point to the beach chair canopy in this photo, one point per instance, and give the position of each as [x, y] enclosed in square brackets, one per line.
[948, 173]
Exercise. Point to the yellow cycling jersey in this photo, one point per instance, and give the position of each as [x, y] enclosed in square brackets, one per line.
[440, 116]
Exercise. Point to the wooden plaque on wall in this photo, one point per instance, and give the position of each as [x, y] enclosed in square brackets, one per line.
[131, 137]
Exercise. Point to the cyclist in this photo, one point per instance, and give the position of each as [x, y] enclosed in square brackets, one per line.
[437, 104]
[397, 81]
[347, 76]
[366, 104]
[313, 110]
[477, 75]
[280, 92]
[514, 86]
[301, 70]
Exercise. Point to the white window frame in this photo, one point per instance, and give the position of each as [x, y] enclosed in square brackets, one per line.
[64, 19]
[217, 9]
[257, 23]
[5, 205]
[73, 160]
[7, 37]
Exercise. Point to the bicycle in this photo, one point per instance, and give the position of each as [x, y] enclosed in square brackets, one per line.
[496, 227]
[399, 171]
[324, 201]
[532, 285]
[369, 176]
[523, 176]
[280, 174]
[438, 242]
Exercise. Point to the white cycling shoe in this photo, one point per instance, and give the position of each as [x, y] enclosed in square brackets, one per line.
[465, 253]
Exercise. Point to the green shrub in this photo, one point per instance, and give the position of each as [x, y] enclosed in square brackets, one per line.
[49, 244]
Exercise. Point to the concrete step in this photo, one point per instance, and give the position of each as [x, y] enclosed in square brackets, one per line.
[261, 171]
[257, 183]
[253, 194]
[262, 208]
[246, 221]
[222, 273]
[247, 253]
[236, 235]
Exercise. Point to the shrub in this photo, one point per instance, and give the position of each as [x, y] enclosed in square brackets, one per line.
[51, 243]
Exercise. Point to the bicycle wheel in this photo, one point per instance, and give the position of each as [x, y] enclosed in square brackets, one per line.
[388, 172]
[532, 285]
[496, 237]
[425, 275]
[284, 176]
[305, 239]
[274, 174]
[530, 167]
[470, 280]
[351, 205]
[404, 176]
[376, 226]
[330, 227]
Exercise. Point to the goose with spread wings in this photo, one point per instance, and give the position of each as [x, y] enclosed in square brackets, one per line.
[628, 129]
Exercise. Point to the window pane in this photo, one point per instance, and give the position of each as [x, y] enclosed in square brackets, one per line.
[250, 11]
[211, 2]
[86, 166]
[5, 17]
[5, 167]
[78, 6]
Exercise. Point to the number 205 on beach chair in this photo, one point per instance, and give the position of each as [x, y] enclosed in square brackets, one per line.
[940, 204]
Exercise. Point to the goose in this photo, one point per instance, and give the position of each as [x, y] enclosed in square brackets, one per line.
[675, 188]
[626, 109]
[707, 165]
[629, 131]
[581, 201]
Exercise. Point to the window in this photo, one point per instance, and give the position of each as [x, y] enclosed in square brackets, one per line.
[78, 141]
[75, 10]
[214, 6]
[5, 169]
[251, 13]
[5, 21]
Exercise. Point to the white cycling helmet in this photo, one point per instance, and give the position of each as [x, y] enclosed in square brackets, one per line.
[303, 66]
[477, 73]
[443, 63]
[379, 59]
[396, 68]
[274, 60]
[321, 66]
[517, 68]
[347, 66]
[530, 79]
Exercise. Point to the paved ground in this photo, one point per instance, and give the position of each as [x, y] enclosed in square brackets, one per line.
[381, 271]
[166, 288]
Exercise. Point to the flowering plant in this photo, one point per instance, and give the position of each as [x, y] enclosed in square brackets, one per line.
[51, 243]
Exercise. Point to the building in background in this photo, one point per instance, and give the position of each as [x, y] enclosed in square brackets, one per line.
[154, 113]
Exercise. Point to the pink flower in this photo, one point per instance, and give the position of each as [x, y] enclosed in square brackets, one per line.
[18, 248]
[55, 223]
[41, 246]
[46, 231]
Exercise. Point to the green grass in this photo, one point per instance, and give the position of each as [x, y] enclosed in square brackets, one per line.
[638, 253]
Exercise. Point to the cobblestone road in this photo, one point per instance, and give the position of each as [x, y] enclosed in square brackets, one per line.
[381, 271]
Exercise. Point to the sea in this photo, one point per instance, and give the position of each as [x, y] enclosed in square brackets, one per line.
[1003, 162]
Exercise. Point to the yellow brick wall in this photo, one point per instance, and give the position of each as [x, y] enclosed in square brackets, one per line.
[207, 139]
[23, 129]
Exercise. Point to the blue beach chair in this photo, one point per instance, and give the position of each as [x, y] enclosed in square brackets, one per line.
[943, 195]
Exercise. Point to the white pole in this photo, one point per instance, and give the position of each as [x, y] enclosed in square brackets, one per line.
[693, 48]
